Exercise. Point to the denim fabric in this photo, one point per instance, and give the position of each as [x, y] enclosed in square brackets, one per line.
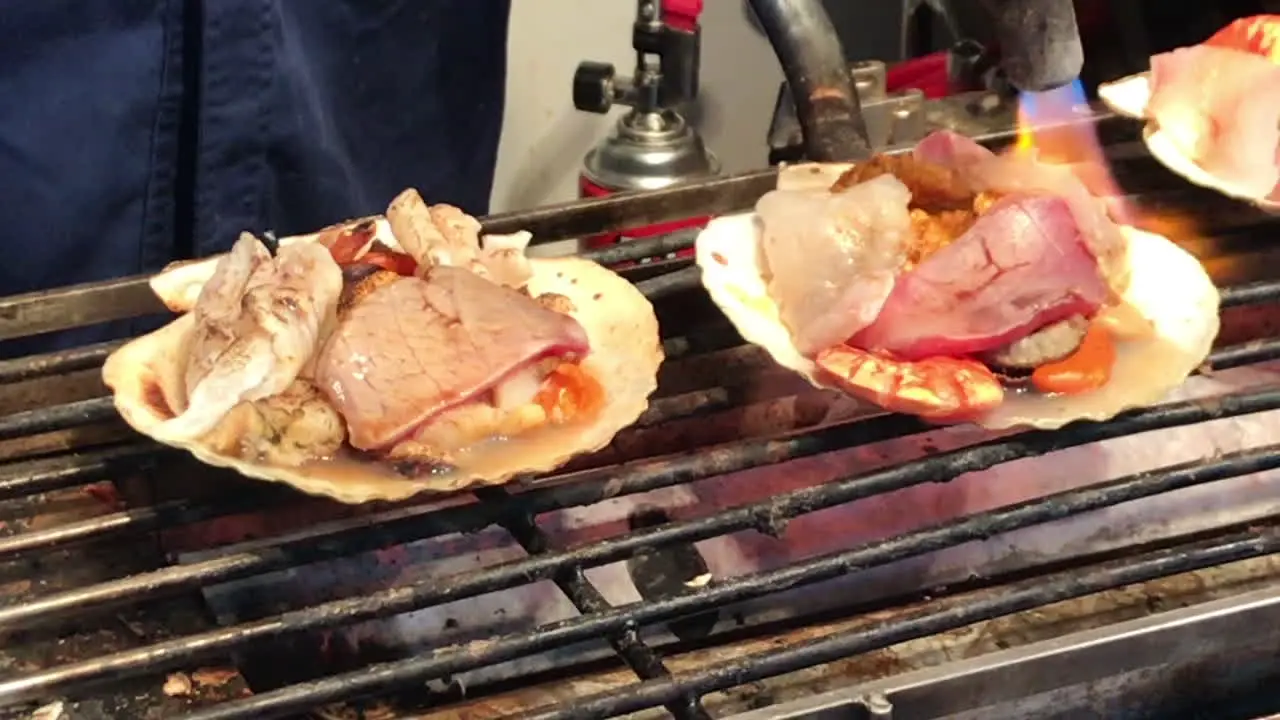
[136, 132]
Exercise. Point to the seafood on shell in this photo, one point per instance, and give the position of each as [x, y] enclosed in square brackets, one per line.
[822, 276]
[1212, 110]
[349, 368]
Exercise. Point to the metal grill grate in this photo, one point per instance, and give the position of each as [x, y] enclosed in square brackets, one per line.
[516, 509]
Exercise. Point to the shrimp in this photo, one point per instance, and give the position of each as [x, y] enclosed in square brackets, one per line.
[938, 389]
[349, 242]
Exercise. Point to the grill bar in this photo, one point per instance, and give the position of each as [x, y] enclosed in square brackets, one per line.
[1021, 596]
[57, 417]
[75, 306]
[1256, 293]
[864, 557]
[685, 405]
[587, 599]
[349, 537]
[56, 363]
[765, 516]
[37, 476]
[686, 278]
[641, 248]
[1247, 353]
[166, 514]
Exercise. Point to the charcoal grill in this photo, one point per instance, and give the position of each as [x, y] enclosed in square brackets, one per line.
[108, 541]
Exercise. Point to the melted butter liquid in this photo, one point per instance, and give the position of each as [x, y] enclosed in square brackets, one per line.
[538, 450]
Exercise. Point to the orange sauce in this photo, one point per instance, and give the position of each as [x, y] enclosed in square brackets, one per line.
[1088, 368]
[570, 393]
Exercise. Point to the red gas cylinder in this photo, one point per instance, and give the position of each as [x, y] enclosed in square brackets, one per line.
[650, 148]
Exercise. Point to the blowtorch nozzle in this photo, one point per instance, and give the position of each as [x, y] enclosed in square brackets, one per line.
[1039, 42]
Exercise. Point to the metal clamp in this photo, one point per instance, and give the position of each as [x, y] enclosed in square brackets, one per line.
[877, 706]
[891, 119]
[655, 86]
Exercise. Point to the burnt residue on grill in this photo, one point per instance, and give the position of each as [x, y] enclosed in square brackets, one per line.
[24, 580]
[661, 573]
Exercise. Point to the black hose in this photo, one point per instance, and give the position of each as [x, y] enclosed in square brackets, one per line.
[819, 76]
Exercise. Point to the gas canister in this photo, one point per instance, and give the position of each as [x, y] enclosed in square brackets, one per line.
[652, 146]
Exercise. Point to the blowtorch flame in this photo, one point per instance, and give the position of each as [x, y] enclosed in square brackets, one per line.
[1057, 127]
[1025, 144]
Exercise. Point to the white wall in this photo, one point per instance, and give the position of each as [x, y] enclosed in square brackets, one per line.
[544, 138]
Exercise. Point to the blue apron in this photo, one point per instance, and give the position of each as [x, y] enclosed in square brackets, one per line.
[137, 132]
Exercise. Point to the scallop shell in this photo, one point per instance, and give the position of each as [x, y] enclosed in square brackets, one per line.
[811, 176]
[1169, 287]
[1129, 96]
[625, 355]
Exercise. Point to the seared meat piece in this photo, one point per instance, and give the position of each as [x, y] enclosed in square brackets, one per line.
[980, 170]
[1021, 266]
[413, 348]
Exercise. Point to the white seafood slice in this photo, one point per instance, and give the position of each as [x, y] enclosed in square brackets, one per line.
[255, 326]
[625, 355]
[1169, 287]
[179, 284]
[1129, 97]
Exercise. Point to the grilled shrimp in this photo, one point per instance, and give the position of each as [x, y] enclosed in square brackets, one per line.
[940, 389]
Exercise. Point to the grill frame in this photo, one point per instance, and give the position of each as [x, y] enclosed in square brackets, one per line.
[516, 511]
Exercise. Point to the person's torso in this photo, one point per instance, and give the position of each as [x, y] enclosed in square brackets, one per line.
[137, 132]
